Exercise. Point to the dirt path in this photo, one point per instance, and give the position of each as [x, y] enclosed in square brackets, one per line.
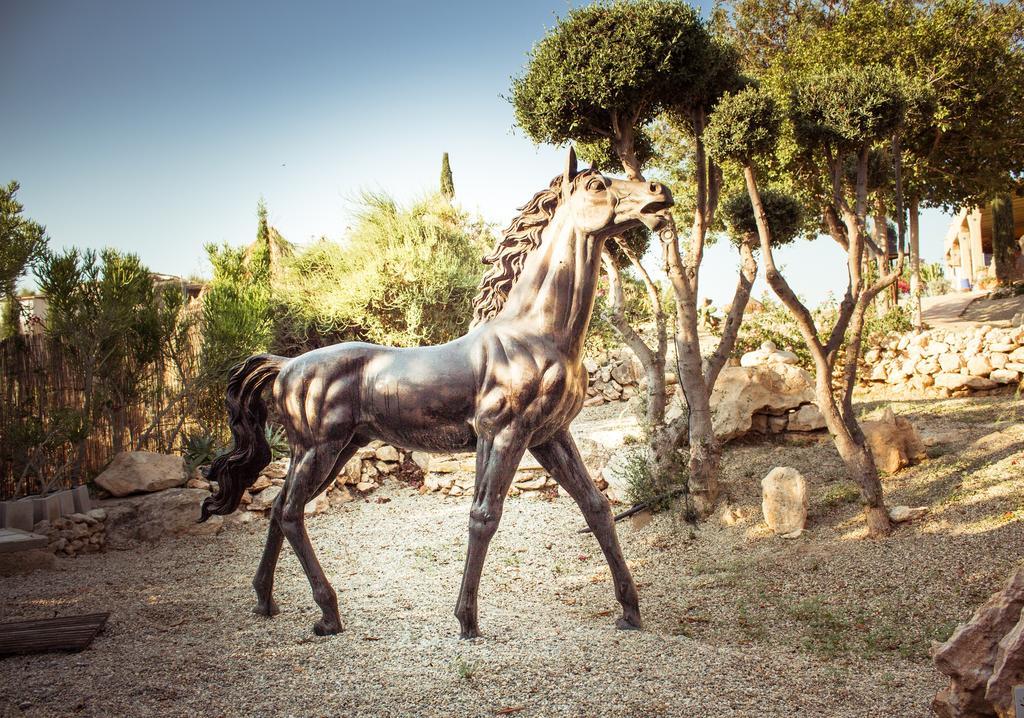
[737, 623]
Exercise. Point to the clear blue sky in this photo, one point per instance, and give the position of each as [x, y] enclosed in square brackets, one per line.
[156, 127]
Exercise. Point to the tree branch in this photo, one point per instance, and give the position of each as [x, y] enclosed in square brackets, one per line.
[733, 320]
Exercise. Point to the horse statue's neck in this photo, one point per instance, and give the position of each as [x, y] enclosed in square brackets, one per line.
[555, 292]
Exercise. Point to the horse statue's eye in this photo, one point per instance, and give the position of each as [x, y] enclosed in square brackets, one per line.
[595, 184]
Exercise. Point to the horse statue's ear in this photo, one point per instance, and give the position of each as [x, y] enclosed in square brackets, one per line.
[570, 172]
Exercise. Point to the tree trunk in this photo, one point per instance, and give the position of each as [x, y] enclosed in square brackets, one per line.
[915, 263]
[1004, 245]
[846, 433]
[652, 360]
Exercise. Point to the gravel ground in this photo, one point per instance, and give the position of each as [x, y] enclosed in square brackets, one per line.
[737, 623]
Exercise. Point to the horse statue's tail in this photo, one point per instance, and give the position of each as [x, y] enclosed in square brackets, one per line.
[237, 470]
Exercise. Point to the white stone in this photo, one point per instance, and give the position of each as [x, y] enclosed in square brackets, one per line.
[901, 514]
[318, 505]
[979, 365]
[950, 362]
[387, 453]
[264, 500]
[1004, 376]
[421, 459]
[784, 500]
[951, 381]
[807, 418]
[998, 360]
[741, 392]
[142, 471]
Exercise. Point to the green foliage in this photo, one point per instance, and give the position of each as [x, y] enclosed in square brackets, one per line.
[30, 440]
[776, 324]
[22, 245]
[102, 308]
[236, 316]
[615, 61]
[278, 441]
[602, 156]
[785, 216]
[602, 336]
[847, 108]
[200, 450]
[404, 276]
[744, 127]
[447, 181]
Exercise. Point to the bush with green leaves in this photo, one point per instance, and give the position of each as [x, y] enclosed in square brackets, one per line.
[103, 311]
[404, 276]
[22, 245]
[785, 216]
[776, 324]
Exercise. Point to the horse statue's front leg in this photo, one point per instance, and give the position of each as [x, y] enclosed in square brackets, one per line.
[562, 460]
[497, 459]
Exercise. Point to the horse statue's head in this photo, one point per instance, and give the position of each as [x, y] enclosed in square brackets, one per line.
[599, 207]
[603, 207]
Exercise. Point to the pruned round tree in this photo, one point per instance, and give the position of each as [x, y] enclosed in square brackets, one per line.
[607, 69]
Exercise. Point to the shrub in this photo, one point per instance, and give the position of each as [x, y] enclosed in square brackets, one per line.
[777, 325]
[403, 276]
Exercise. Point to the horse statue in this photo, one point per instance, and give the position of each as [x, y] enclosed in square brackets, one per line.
[512, 384]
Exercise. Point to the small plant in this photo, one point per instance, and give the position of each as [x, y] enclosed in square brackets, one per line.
[640, 484]
[278, 441]
[201, 450]
[828, 631]
[841, 493]
[465, 669]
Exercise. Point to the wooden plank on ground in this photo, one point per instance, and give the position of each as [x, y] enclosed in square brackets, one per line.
[70, 633]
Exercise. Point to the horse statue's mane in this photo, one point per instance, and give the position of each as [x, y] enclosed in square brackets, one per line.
[518, 240]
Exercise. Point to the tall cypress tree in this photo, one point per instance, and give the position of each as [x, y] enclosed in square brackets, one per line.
[447, 182]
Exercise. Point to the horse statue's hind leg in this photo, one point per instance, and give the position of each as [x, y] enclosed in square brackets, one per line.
[562, 460]
[310, 473]
[496, 462]
[263, 582]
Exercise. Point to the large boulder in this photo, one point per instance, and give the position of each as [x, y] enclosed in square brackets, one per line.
[983, 658]
[784, 500]
[741, 392]
[168, 514]
[133, 472]
[893, 441]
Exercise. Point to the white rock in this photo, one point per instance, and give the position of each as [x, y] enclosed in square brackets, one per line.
[951, 381]
[807, 418]
[318, 505]
[387, 453]
[979, 365]
[421, 459]
[741, 392]
[264, 500]
[1004, 376]
[950, 362]
[901, 514]
[142, 471]
[784, 500]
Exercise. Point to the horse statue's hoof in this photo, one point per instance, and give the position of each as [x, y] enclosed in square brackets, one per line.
[322, 628]
[624, 624]
[268, 608]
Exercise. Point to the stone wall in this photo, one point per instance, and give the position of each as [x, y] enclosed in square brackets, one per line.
[614, 375]
[948, 361]
[363, 473]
